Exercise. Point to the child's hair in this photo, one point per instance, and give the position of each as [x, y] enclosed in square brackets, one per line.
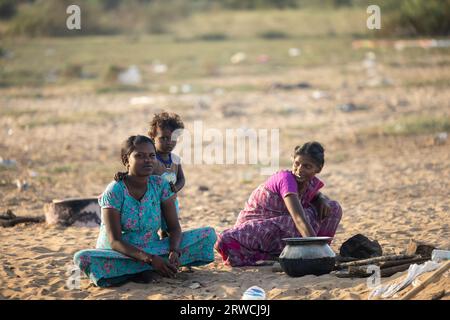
[165, 120]
[128, 146]
[312, 149]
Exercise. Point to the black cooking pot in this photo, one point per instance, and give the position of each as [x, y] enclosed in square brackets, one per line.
[303, 256]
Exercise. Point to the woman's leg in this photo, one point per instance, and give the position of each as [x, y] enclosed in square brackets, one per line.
[250, 242]
[329, 225]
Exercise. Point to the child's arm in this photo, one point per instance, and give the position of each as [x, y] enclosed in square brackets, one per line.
[180, 179]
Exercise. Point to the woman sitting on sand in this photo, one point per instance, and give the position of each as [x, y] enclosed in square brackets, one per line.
[128, 246]
[288, 204]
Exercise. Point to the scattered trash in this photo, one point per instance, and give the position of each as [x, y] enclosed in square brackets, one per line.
[294, 52]
[7, 163]
[173, 89]
[186, 88]
[195, 285]
[440, 255]
[370, 60]
[159, 68]
[21, 185]
[254, 293]
[203, 188]
[317, 95]
[286, 86]
[10, 132]
[33, 174]
[351, 107]
[400, 44]
[144, 100]
[377, 81]
[441, 138]
[238, 58]
[419, 247]
[413, 272]
[361, 247]
[130, 77]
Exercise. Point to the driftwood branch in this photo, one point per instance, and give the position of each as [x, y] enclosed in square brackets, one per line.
[9, 219]
[375, 260]
[387, 268]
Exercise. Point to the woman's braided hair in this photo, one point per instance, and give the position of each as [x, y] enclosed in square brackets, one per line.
[312, 149]
[128, 146]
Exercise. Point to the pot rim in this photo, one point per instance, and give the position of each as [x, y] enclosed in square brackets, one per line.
[307, 240]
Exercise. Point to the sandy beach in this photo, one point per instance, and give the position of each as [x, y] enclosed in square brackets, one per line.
[391, 187]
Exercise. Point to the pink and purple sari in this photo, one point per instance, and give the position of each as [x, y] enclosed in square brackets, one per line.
[265, 221]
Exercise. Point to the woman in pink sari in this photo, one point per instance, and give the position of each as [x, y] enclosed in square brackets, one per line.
[287, 205]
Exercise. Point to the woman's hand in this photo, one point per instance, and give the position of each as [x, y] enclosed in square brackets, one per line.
[174, 258]
[322, 207]
[162, 267]
[173, 187]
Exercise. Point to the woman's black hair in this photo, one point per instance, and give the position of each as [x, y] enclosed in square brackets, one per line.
[128, 146]
[312, 149]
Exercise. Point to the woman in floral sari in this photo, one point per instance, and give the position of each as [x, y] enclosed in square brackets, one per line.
[288, 204]
[128, 246]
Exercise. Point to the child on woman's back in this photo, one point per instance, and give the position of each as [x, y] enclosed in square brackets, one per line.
[168, 165]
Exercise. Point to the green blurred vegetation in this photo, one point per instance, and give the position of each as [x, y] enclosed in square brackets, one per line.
[48, 17]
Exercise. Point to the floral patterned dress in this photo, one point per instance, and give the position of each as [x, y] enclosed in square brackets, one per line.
[140, 222]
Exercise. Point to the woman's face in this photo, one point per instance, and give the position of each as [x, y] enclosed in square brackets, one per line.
[164, 140]
[142, 160]
[304, 168]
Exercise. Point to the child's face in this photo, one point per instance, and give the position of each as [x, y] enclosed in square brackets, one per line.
[164, 140]
[304, 168]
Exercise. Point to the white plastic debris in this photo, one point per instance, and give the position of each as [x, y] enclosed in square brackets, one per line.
[317, 95]
[8, 163]
[130, 77]
[254, 293]
[144, 100]
[173, 90]
[370, 60]
[294, 52]
[238, 57]
[186, 88]
[413, 272]
[441, 138]
[440, 255]
[195, 285]
[159, 68]
[21, 185]
[33, 174]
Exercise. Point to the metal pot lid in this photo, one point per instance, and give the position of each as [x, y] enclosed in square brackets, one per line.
[307, 240]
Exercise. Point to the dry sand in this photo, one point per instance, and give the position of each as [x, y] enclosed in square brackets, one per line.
[391, 188]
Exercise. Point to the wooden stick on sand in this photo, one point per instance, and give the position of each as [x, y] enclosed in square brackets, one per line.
[435, 275]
